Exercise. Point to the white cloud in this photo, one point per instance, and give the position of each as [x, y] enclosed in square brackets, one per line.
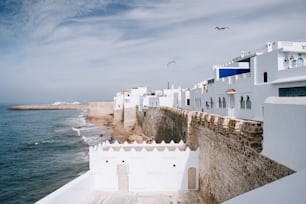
[87, 50]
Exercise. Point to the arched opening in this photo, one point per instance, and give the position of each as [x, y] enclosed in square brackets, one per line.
[211, 103]
[220, 102]
[192, 178]
[242, 103]
[248, 103]
[207, 105]
[224, 102]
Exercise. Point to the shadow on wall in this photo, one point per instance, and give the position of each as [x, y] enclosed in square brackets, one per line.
[164, 125]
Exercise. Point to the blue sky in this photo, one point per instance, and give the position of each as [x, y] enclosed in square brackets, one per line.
[86, 50]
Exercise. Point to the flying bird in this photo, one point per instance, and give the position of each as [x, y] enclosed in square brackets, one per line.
[171, 62]
[221, 28]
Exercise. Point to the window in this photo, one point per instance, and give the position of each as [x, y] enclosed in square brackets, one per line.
[265, 77]
[220, 102]
[188, 102]
[211, 103]
[292, 91]
[224, 102]
[242, 103]
[248, 103]
[207, 105]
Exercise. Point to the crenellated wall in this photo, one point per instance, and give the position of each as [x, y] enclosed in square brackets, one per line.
[230, 159]
[248, 133]
[144, 167]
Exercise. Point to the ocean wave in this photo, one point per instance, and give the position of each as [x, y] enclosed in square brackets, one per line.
[79, 158]
[76, 121]
[92, 140]
[41, 142]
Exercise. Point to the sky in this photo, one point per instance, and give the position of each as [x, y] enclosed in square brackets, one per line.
[87, 50]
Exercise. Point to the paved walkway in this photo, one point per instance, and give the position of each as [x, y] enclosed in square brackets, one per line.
[180, 197]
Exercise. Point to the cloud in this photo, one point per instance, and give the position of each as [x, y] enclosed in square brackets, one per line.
[88, 50]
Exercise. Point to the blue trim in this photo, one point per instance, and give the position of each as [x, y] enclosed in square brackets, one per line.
[225, 72]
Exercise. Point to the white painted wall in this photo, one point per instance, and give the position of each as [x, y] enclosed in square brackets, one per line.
[185, 97]
[285, 131]
[76, 191]
[290, 189]
[160, 169]
[118, 101]
[139, 91]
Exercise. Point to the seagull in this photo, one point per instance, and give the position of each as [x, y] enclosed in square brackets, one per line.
[221, 28]
[171, 62]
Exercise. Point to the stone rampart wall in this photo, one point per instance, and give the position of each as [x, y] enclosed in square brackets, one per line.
[230, 159]
[164, 124]
[118, 115]
[129, 117]
[100, 109]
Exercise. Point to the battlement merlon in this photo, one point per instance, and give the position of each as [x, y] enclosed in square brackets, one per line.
[150, 147]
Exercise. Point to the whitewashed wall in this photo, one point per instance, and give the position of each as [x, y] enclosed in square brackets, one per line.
[285, 131]
[77, 191]
[148, 170]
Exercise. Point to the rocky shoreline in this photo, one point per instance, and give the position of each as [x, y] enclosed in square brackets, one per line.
[100, 114]
[118, 132]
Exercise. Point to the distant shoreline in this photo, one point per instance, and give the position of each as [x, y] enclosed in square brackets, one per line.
[50, 107]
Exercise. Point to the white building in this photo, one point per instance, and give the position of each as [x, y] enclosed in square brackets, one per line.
[240, 87]
[141, 97]
[125, 102]
[171, 97]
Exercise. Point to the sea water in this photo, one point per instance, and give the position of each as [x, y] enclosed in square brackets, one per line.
[39, 152]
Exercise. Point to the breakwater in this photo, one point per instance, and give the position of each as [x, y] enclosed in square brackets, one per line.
[49, 107]
[230, 159]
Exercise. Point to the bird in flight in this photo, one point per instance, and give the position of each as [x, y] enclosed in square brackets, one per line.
[171, 62]
[221, 28]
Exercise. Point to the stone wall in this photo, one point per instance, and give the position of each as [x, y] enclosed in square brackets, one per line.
[100, 109]
[164, 124]
[118, 115]
[230, 159]
[129, 117]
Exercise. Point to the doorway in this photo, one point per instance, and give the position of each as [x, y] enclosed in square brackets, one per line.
[123, 177]
[192, 178]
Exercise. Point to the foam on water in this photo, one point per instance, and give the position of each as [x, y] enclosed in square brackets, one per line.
[90, 134]
[39, 152]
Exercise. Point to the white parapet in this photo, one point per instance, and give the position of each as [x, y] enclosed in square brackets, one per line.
[284, 131]
[132, 167]
[144, 167]
[76, 191]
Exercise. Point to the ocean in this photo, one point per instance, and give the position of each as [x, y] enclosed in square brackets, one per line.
[39, 152]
